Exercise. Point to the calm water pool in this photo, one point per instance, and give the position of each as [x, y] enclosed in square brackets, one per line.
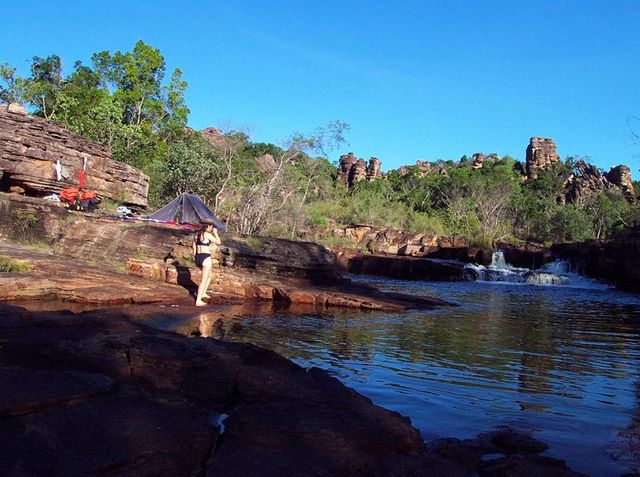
[563, 362]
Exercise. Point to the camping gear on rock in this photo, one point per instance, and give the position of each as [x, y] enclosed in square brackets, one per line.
[187, 209]
[79, 199]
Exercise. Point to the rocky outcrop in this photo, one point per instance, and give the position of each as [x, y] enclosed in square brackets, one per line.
[30, 148]
[352, 170]
[358, 172]
[106, 240]
[212, 135]
[422, 168]
[317, 296]
[541, 154]
[620, 176]
[389, 241]
[346, 163]
[289, 272]
[585, 181]
[266, 163]
[78, 284]
[527, 255]
[401, 254]
[373, 169]
[477, 160]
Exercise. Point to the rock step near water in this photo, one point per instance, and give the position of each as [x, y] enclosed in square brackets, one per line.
[251, 267]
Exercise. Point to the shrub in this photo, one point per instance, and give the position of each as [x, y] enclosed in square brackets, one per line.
[9, 265]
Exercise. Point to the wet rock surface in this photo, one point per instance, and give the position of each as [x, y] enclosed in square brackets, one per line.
[409, 268]
[97, 394]
[617, 261]
[123, 399]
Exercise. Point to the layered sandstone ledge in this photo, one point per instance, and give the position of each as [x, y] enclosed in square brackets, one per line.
[95, 394]
[86, 250]
[30, 148]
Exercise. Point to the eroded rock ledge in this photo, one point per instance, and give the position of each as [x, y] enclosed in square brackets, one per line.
[95, 394]
[30, 147]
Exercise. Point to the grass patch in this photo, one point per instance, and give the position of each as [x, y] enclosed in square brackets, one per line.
[9, 265]
[24, 223]
[140, 255]
[255, 243]
[37, 245]
[341, 242]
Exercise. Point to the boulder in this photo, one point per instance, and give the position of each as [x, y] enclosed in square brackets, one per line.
[31, 146]
[266, 163]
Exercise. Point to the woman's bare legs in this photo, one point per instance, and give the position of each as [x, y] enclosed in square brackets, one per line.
[204, 282]
[206, 288]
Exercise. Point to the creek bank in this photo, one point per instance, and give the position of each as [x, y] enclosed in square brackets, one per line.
[407, 255]
[251, 267]
[96, 393]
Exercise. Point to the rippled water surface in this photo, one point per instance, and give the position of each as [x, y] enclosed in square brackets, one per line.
[563, 362]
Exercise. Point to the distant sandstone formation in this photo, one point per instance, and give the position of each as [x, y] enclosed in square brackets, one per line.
[621, 177]
[585, 179]
[477, 160]
[213, 135]
[31, 147]
[582, 183]
[352, 170]
[541, 154]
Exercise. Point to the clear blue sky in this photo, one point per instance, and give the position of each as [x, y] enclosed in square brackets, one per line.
[415, 79]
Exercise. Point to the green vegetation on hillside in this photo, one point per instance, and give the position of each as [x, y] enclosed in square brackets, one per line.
[124, 101]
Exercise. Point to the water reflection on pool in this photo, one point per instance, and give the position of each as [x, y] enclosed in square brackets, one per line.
[560, 361]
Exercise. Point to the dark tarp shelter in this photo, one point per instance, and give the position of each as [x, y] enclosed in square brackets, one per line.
[186, 209]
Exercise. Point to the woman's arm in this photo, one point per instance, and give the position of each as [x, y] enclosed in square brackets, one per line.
[216, 237]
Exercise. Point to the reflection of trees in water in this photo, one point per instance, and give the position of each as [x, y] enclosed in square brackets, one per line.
[529, 342]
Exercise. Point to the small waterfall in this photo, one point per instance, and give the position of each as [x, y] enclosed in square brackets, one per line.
[557, 272]
[498, 262]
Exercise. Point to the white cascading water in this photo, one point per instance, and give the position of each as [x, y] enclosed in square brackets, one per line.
[557, 272]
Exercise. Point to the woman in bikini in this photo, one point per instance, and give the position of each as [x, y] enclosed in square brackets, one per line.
[206, 242]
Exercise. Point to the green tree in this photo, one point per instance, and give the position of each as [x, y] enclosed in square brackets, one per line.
[12, 86]
[44, 85]
[569, 223]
